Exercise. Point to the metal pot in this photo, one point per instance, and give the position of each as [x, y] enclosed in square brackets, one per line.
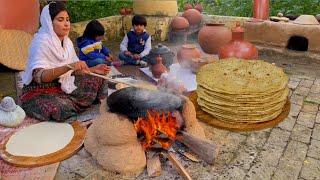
[162, 50]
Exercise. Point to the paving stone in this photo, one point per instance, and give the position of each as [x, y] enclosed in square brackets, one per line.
[301, 90]
[295, 78]
[64, 173]
[291, 163]
[315, 88]
[288, 123]
[310, 108]
[316, 132]
[244, 157]
[293, 84]
[318, 118]
[260, 171]
[257, 139]
[290, 93]
[232, 142]
[314, 149]
[310, 169]
[313, 98]
[80, 165]
[306, 119]
[297, 99]
[277, 138]
[306, 83]
[295, 110]
[301, 133]
[317, 81]
[233, 173]
[223, 159]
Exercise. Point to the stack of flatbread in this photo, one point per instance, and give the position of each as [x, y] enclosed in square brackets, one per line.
[242, 91]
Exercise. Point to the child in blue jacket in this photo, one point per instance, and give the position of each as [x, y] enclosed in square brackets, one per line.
[136, 44]
[92, 51]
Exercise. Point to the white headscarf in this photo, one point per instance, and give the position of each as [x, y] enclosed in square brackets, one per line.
[46, 52]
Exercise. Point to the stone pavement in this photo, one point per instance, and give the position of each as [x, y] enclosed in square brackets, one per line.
[291, 150]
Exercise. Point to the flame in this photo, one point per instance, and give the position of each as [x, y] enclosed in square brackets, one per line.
[155, 124]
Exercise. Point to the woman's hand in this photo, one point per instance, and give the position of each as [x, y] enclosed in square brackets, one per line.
[80, 66]
[101, 69]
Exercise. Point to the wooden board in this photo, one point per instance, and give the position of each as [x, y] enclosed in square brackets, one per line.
[208, 118]
[72, 148]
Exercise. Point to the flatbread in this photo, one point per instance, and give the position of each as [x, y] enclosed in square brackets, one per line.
[40, 139]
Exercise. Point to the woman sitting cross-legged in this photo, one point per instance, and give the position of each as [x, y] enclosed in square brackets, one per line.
[56, 84]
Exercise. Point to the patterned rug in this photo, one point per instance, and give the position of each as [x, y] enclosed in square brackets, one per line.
[89, 114]
[8, 172]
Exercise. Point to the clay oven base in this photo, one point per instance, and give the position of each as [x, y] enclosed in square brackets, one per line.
[279, 33]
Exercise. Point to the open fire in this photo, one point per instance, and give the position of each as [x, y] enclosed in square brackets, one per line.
[154, 126]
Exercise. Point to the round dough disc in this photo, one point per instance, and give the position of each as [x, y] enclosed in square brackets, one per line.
[40, 139]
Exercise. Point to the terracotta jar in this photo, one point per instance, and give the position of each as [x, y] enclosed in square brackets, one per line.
[199, 7]
[186, 54]
[213, 36]
[179, 23]
[238, 47]
[158, 68]
[193, 16]
[128, 11]
[122, 11]
[20, 15]
[261, 9]
[187, 6]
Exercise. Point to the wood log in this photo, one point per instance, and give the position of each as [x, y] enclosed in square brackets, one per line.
[205, 149]
[153, 164]
[177, 164]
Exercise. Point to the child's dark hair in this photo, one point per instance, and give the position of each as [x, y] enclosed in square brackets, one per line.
[139, 20]
[93, 29]
[55, 8]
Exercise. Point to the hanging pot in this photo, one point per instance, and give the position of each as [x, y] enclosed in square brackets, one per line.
[186, 54]
[213, 36]
[238, 47]
[158, 68]
[166, 54]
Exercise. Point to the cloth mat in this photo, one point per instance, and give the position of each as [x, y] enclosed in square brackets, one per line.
[8, 172]
[184, 75]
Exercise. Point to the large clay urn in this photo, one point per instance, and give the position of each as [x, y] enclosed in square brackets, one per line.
[193, 16]
[179, 23]
[213, 36]
[20, 15]
[158, 68]
[238, 47]
[261, 9]
[186, 53]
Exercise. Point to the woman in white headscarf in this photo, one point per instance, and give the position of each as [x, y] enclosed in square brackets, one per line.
[56, 84]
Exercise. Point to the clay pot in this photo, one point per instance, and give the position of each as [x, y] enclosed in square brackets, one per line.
[128, 11]
[179, 23]
[158, 68]
[161, 50]
[186, 54]
[199, 7]
[261, 9]
[213, 36]
[122, 11]
[20, 15]
[238, 47]
[187, 6]
[193, 16]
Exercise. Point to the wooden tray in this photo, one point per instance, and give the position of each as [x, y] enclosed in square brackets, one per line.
[208, 118]
[72, 148]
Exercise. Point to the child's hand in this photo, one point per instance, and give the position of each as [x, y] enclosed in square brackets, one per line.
[127, 53]
[136, 57]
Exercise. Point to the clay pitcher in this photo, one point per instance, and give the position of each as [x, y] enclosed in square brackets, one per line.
[213, 36]
[261, 9]
[238, 47]
[20, 15]
[158, 68]
[186, 54]
[179, 23]
[193, 16]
